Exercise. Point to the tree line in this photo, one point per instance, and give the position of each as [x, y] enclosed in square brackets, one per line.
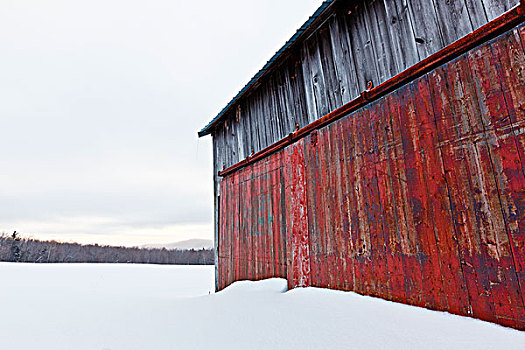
[15, 248]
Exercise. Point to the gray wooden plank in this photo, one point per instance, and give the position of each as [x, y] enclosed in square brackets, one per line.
[311, 107]
[454, 21]
[317, 77]
[426, 28]
[334, 98]
[261, 127]
[248, 142]
[362, 48]
[239, 133]
[476, 12]
[344, 60]
[287, 115]
[375, 20]
[315, 86]
[402, 37]
[495, 8]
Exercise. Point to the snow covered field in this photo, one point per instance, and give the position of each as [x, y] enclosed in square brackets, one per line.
[168, 307]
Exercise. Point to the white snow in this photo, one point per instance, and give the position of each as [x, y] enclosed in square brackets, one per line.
[168, 307]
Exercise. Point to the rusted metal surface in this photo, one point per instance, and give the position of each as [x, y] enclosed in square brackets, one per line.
[417, 197]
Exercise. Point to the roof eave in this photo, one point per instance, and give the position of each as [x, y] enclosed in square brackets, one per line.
[324, 6]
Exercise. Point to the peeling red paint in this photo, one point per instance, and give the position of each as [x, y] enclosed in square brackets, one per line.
[418, 197]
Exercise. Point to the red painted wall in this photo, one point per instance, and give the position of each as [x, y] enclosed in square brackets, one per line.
[417, 198]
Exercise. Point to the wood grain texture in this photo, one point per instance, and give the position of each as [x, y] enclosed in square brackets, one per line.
[360, 44]
[418, 197]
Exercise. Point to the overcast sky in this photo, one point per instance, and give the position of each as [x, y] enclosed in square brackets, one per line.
[100, 104]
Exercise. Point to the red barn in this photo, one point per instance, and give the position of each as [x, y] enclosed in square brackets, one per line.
[382, 151]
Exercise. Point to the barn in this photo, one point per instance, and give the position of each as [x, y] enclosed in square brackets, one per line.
[382, 151]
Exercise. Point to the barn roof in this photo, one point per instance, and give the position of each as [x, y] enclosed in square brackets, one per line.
[320, 11]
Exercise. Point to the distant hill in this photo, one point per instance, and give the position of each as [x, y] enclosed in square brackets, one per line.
[196, 244]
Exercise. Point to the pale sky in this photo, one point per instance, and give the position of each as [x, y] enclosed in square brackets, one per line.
[100, 104]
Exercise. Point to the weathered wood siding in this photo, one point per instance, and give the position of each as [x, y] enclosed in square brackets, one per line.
[418, 197]
[360, 43]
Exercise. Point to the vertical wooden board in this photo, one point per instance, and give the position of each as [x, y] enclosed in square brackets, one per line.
[242, 223]
[308, 80]
[300, 97]
[332, 87]
[450, 126]
[437, 203]
[402, 287]
[394, 268]
[248, 202]
[477, 13]
[347, 154]
[281, 213]
[297, 216]
[509, 177]
[263, 221]
[267, 232]
[295, 112]
[287, 114]
[426, 29]
[280, 113]
[401, 35]
[267, 116]
[312, 180]
[255, 126]
[330, 206]
[375, 22]
[453, 12]
[343, 59]
[308, 87]
[323, 214]
[495, 8]
[334, 205]
[323, 205]
[239, 134]
[362, 50]
[377, 208]
[280, 224]
[363, 198]
[272, 234]
[270, 255]
[288, 208]
[260, 126]
[358, 230]
[318, 78]
[254, 222]
[340, 242]
[409, 238]
[370, 201]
